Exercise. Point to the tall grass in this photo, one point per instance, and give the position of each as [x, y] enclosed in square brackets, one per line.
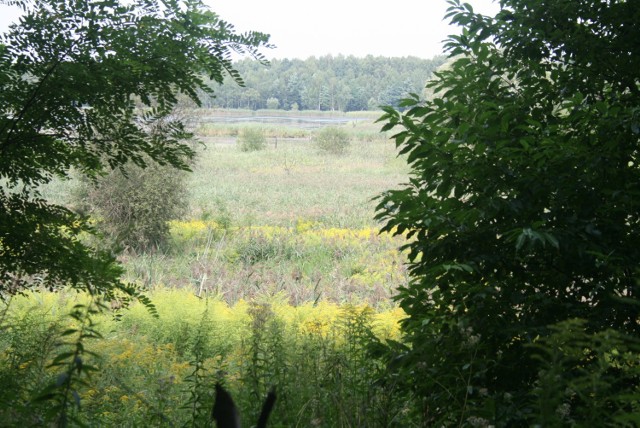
[281, 184]
[249, 195]
[304, 263]
[287, 181]
[161, 371]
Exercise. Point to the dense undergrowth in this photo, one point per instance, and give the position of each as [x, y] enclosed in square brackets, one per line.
[304, 263]
[161, 371]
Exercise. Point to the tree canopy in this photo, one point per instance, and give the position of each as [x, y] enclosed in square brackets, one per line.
[326, 83]
[522, 209]
[90, 86]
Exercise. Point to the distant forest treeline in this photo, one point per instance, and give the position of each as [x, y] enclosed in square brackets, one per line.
[335, 83]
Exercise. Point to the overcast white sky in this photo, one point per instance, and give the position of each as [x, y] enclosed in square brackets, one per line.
[302, 28]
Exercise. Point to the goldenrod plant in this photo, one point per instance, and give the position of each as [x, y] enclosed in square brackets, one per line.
[163, 371]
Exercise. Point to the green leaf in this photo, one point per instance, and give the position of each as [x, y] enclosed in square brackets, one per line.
[60, 359]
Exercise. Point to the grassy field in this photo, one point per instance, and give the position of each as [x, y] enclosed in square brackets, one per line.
[276, 276]
[284, 221]
[298, 223]
[283, 184]
[290, 180]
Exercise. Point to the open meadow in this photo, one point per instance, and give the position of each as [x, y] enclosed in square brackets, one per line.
[287, 221]
[275, 276]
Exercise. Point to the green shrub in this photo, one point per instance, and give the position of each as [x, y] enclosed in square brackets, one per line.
[332, 140]
[507, 225]
[132, 206]
[252, 139]
[273, 103]
[585, 378]
[258, 248]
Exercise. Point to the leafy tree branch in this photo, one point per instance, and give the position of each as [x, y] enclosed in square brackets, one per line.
[91, 86]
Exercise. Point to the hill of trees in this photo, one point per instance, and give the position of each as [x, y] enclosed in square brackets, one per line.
[336, 83]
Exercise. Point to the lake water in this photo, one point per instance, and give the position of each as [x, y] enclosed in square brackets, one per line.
[298, 121]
